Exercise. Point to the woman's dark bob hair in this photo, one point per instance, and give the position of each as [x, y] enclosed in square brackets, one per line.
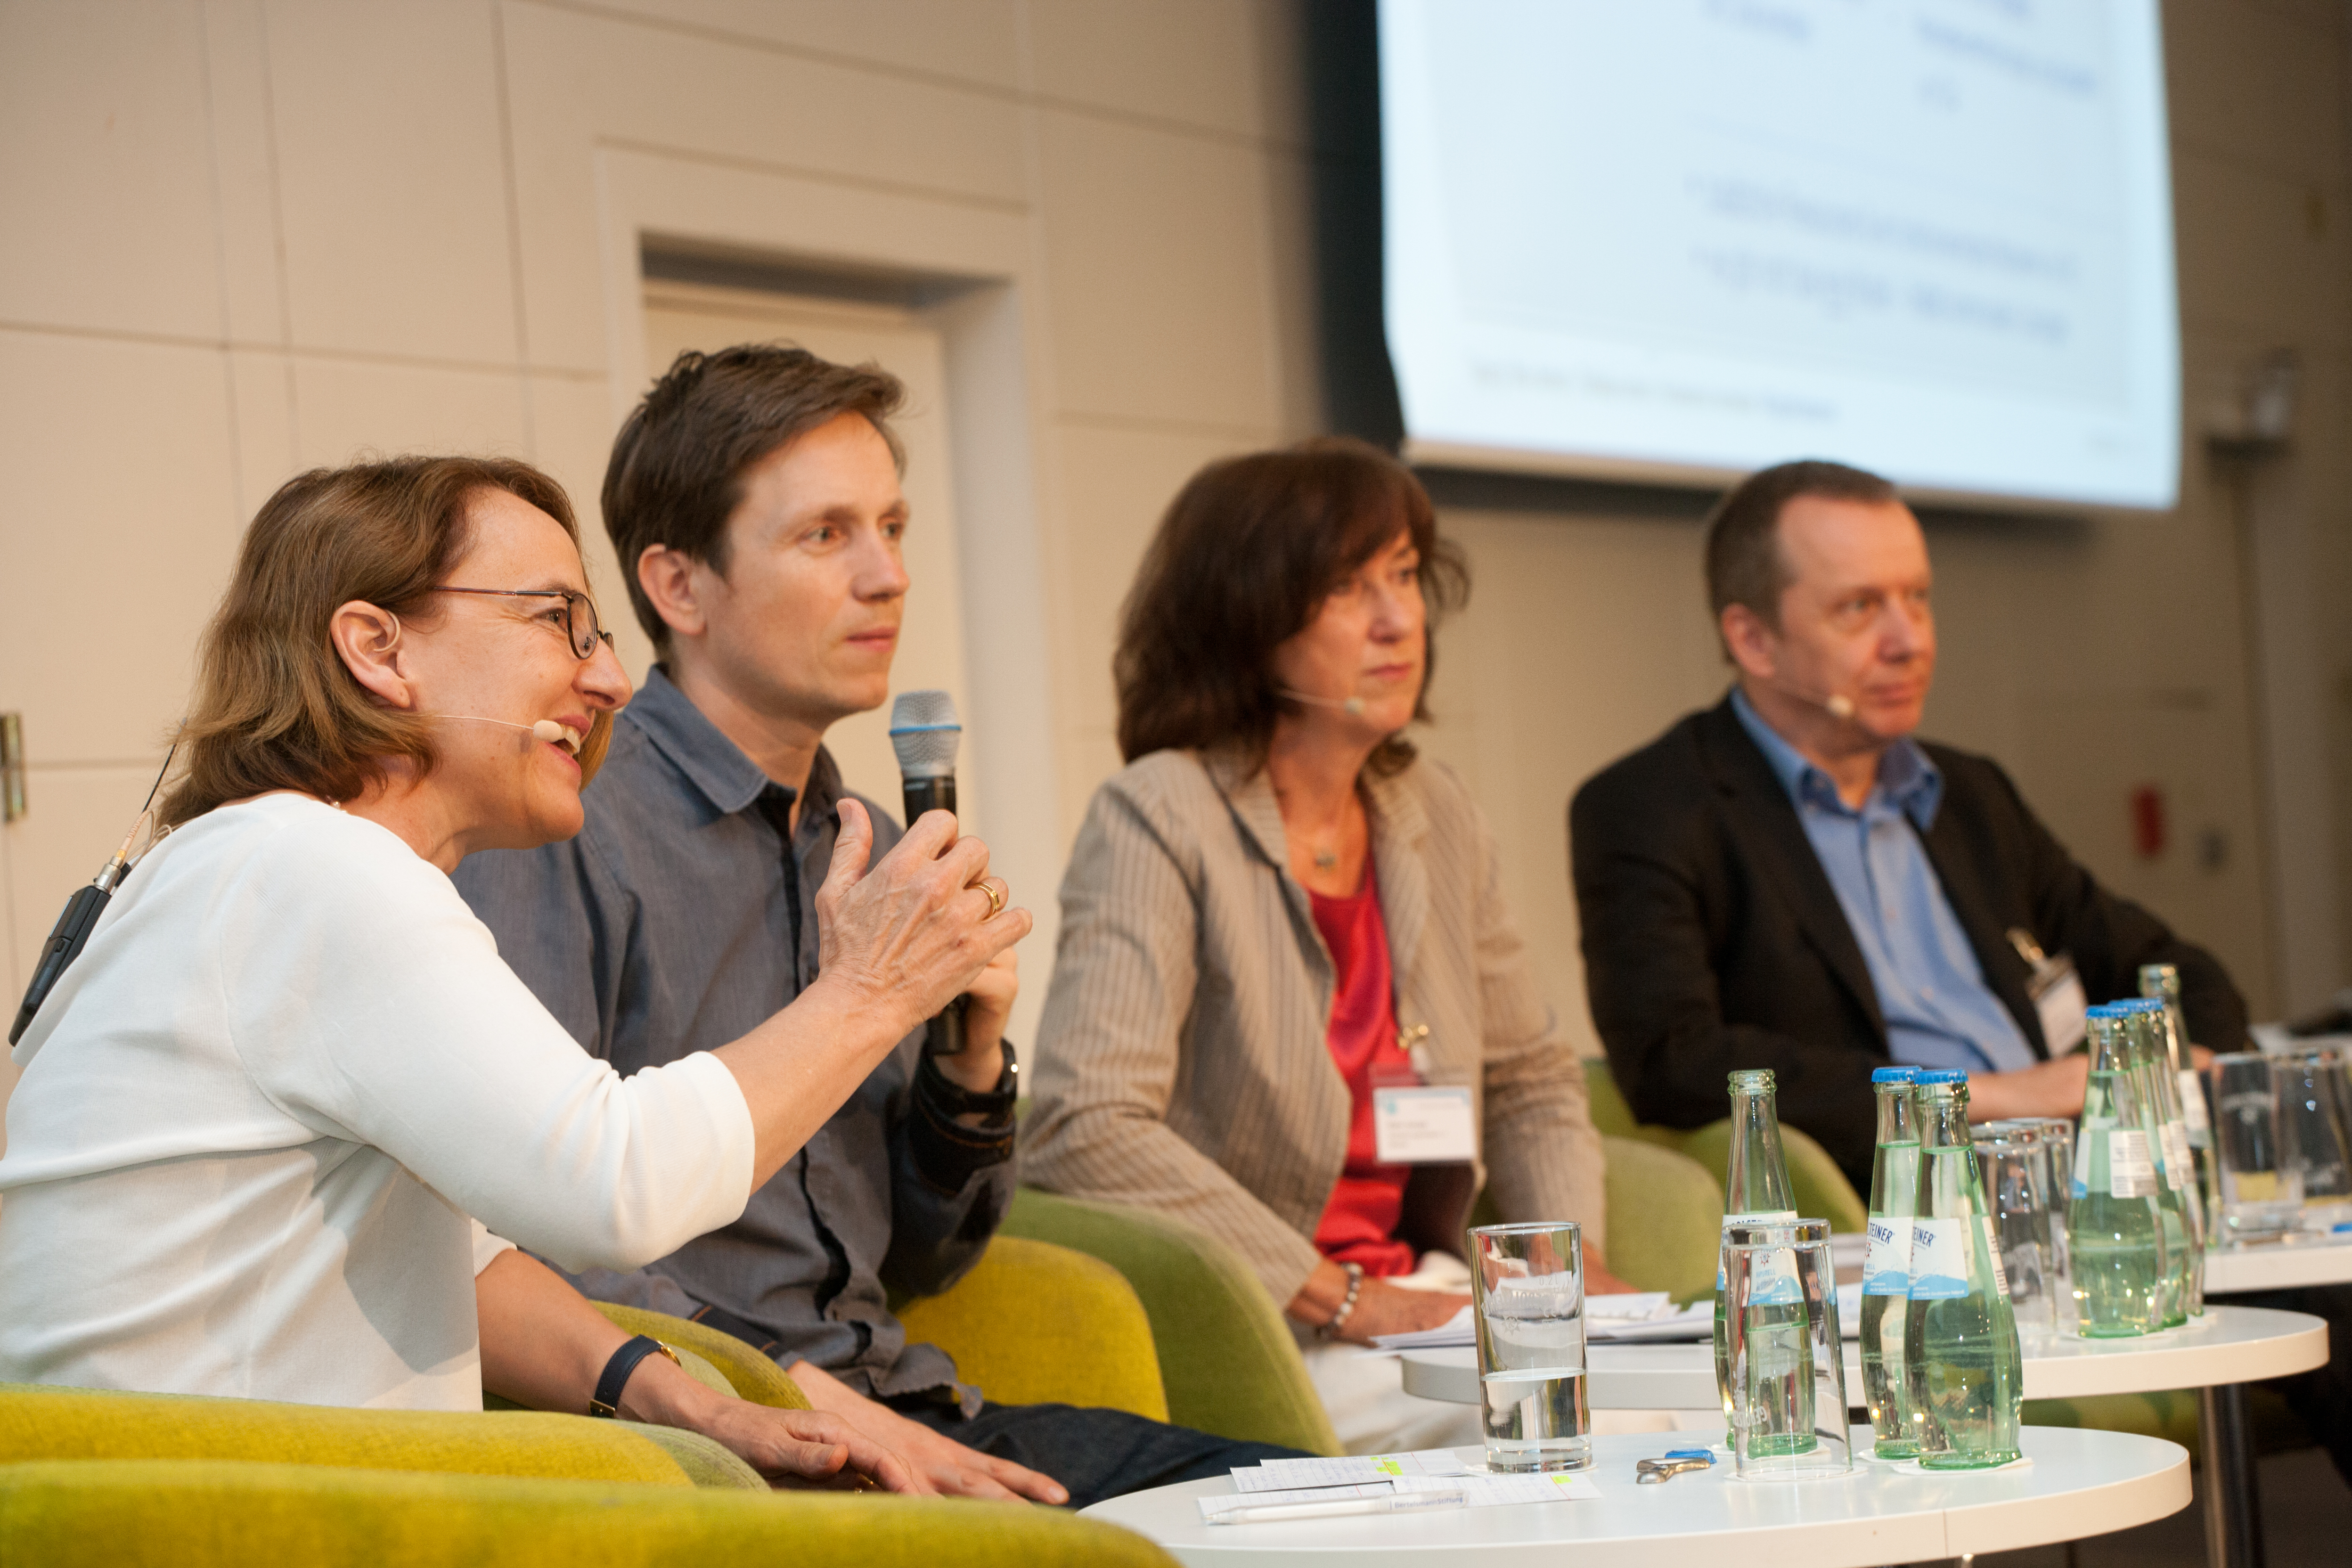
[1247, 552]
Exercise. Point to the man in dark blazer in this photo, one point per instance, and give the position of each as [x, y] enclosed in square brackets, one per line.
[1788, 881]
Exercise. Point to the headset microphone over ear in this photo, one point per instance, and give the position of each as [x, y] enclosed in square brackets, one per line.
[1838, 703]
[546, 730]
[1347, 705]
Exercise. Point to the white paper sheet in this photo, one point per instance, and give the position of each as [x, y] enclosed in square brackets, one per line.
[1478, 1490]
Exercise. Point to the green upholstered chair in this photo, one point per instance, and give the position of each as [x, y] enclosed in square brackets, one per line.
[1665, 1218]
[1822, 1191]
[1226, 1359]
[1040, 1325]
[199, 1514]
[43, 1423]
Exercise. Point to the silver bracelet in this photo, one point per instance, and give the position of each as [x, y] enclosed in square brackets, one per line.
[1333, 1325]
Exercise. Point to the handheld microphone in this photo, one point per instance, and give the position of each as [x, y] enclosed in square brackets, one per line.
[546, 730]
[925, 732]
[1347, 705]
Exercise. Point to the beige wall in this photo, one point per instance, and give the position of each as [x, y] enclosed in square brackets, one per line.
[244, 237]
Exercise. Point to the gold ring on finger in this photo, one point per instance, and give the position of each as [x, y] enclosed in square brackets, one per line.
[995, 899]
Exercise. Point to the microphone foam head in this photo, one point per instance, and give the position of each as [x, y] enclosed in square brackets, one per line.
[924, 732]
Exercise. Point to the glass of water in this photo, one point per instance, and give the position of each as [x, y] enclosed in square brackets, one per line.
[1528, 1284]
[1788, 1368]
[2315, 1119]
[2261, 1168]
[2014, 1157]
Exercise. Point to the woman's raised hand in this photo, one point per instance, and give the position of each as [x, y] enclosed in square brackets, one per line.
[914, 930]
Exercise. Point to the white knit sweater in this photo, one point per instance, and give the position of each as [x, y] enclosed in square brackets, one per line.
[258, 1113]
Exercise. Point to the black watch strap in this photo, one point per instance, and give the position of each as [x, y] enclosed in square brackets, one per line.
[606, 1401]
[952, 1099]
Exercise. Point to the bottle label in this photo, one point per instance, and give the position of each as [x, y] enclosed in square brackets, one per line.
[1992, 1251]
[1939, 1258]
[2192, 1109]
[2176, 1164]
[1888, 1270]
[2131, 1173]
[1773, 1280]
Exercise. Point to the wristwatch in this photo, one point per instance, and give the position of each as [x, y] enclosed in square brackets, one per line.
[951, 1098]
[606, 1401]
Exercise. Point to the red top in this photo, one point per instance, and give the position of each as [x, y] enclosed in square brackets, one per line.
[1358, 1225]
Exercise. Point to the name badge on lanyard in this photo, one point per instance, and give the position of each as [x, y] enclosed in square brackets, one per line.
[1419, 1124]
[2058, 995]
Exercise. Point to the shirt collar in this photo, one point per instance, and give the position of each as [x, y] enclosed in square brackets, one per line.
[711, 763]
[1906, 776]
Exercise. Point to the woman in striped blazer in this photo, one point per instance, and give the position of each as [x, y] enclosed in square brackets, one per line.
[1278, 908]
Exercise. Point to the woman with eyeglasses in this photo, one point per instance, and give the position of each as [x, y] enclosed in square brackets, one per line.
[275, 1121]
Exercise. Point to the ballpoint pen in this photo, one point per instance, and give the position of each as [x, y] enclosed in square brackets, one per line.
[1396, 1502]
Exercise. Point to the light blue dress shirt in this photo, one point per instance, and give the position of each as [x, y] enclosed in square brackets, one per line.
[1939, 1012]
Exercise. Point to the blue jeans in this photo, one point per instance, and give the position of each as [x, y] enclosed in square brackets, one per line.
[1097, 1454]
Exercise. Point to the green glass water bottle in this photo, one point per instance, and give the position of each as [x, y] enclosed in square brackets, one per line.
[2179, 1194]
[1960, 1350]
[1886, 1277]
[2161, 983]
[1755, 1191]
[2114, 1232]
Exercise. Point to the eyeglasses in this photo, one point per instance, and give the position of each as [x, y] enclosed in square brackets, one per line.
[579, 613]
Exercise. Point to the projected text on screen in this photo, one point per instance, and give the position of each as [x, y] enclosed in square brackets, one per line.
[1693, 236]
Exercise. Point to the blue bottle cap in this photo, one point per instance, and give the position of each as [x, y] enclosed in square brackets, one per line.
[2103, 1010]
[1941, 1075]
[2139, 1004]
[1894, 1075]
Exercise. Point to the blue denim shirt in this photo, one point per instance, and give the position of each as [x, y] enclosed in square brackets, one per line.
[674, 924]
[1931, 990]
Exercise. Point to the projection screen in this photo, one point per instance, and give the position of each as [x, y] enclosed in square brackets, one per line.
[1680, 239]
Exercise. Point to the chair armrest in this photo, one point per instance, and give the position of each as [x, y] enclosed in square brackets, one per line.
[1035, 1324]
[1226, 1356]
[1818, 1187]
[1666, 1219]
[753, 1376]
[196, 1513]
[39, 1422]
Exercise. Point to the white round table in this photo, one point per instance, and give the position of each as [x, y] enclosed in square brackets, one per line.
[2284, 1265]
[2230, 1345]
[2080, 1483]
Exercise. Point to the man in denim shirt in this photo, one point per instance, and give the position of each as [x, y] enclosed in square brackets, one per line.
[753, 498]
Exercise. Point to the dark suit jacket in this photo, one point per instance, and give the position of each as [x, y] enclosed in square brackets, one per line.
[1713, 940]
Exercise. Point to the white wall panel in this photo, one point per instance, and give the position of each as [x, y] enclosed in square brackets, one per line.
[391, 176]
[1162, 294]
[121, 518]
[105, 188]
[971, 40]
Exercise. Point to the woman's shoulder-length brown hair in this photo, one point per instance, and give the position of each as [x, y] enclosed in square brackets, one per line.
[1247, 552]
[275, 707]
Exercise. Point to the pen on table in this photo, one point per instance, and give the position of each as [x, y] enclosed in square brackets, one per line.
[1396, 1502]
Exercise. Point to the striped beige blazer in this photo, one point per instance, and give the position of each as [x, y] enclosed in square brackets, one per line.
[1181, 1063]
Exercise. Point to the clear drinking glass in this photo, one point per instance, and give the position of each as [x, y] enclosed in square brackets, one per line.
[1788, 1369]
[2014, 1159]
[2313, 1116]
[1528, 1284]
[2057, 1136]
[2261, 1170]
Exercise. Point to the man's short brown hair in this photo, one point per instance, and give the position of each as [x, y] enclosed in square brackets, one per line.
[677, 473]
[1744, 564]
